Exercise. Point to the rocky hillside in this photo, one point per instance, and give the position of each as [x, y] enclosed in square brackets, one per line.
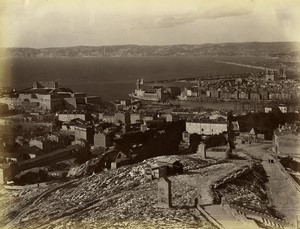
[122, 198]
[280, 49]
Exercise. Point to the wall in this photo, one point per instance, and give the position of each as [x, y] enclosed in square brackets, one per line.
[274, 96]
[123, 118]
[214, 94]
[255, 96]
[25, 96]
[37, 143]
[224, 95]
[101, 140]
[84, 133]
[134, 118]
[217, 153]
[109, 119]
[206, 128]
[69, 117]
[43, 145]
[11, 102]
[243, 95]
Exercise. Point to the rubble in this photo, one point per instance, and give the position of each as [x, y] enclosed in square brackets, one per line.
[122, 197]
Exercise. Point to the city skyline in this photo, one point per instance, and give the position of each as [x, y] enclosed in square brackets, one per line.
[40, 24]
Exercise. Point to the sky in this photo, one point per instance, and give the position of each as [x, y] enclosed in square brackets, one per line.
[58, 23]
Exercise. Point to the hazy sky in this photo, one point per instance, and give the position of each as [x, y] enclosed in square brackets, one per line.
[52, 23]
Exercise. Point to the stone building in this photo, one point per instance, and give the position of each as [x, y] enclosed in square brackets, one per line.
[67, 116]
[206, 127]
[102, 139]
[122, 117]
[84, 132]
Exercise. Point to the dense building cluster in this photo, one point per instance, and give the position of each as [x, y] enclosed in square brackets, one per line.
[251, 89]
[46, 96]
[51, 130]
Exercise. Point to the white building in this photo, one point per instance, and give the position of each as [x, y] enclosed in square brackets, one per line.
[283, 108]
[207, 127]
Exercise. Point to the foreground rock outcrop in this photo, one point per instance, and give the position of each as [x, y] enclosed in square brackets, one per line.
[120, 198]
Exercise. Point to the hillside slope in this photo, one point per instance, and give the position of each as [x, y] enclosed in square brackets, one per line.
[223, 49]
[121, 197]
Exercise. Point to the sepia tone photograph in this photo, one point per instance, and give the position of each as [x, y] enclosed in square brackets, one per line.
[150, 114]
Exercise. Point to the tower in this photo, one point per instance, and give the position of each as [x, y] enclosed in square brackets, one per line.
[138, 84]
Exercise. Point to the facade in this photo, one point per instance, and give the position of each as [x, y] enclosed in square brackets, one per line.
[255, 96]
[83, 132]
[206, 127]
[282, 108]
[135, 117]
[108, 117]
[70, 126]
[215, 94]
[270, 75]
[218, 153]
[41, 144]
[224, 95]
[47, 96]
[43, 101]
[102, 140]
[274, 96]
[69, 116]
[191, 91]
[170, 117]
[148, 117]
[122, 117]
[243, 95]
[268, 109]
[151, 94]
[234, 95]
[125, 102]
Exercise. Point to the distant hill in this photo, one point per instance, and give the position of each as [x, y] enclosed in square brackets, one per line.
[274, 49]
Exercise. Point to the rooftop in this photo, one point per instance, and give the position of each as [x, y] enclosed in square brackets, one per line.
[213, 121]
[53, 153]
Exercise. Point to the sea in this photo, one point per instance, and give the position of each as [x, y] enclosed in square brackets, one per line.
[113, 77]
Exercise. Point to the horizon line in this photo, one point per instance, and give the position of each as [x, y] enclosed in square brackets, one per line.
[179, 44]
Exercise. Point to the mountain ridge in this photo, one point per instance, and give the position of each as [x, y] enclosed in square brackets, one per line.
[272, 49]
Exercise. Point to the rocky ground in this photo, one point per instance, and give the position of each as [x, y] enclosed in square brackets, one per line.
[119, 198]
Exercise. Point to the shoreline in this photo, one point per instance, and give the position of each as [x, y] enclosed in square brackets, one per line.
[242, 65]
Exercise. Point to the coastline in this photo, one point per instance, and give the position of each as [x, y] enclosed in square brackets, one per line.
[242, 65]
